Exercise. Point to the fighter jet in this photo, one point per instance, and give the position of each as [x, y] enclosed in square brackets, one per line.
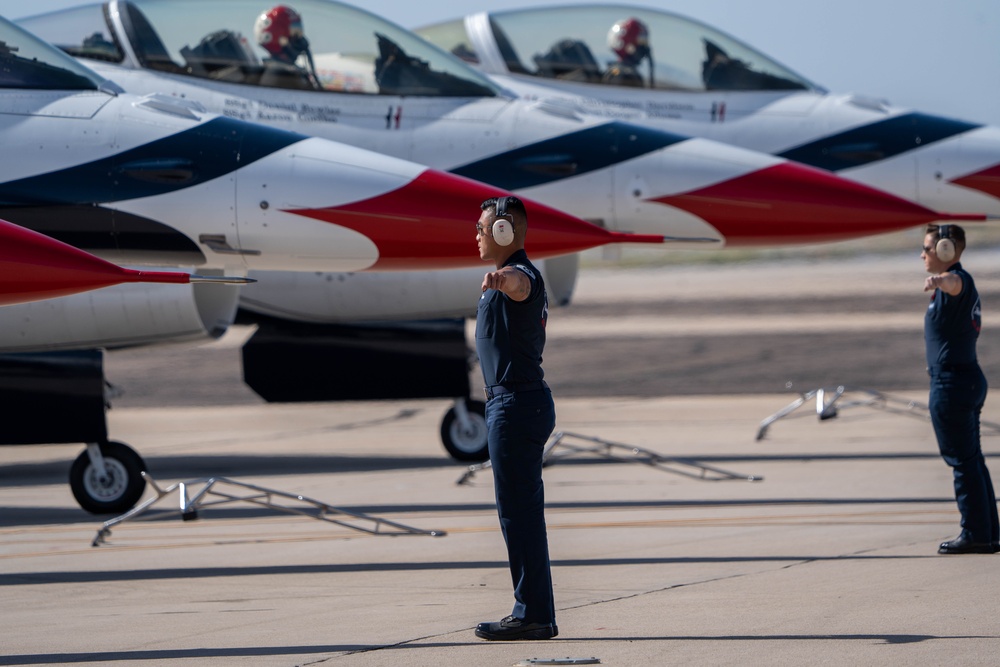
[330, 70]
[667, 71]
[157, 180]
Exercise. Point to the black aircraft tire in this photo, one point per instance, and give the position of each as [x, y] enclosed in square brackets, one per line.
[466, 446]
[122, 488]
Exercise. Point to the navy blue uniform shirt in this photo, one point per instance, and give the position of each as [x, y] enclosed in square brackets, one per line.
[952, 324]
[510, 334]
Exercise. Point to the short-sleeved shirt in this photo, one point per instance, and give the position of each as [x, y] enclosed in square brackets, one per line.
[510, 335]
[952, 324]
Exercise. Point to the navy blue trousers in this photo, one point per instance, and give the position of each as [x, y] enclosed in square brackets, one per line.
[519, 424]
[956, 401]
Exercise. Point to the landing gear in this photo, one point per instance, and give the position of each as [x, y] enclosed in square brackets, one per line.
[463, 431]
[107, 478]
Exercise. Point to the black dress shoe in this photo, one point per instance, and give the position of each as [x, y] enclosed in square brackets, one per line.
[512, 628]
[964, 545]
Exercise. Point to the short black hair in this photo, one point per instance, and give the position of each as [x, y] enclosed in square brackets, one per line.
[515, 208]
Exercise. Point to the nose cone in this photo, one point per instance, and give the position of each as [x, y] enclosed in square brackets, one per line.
[958, 173]
[429, 223]
[985, 180]
[788, 203]
[34, 266]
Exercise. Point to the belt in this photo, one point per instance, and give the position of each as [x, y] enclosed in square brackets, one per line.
[511, 387]
[951, 368]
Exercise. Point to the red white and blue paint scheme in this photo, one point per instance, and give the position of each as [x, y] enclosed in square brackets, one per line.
[160, 181]
[369, 83]
[699, 81]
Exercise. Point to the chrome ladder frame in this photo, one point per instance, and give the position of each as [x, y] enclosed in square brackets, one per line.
[212, 494]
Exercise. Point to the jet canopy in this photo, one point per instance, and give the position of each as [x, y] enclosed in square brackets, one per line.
[345, 50]
[26, 62]
[611, 45]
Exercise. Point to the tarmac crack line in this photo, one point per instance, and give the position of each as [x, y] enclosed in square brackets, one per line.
[580, 606]
[377, 648]
[633, 596]
[853, 554]
[788, 566]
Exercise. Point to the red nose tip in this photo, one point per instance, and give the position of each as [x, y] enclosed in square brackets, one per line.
[791, 203]
[987, 180]
[429, 223]
[34, 266]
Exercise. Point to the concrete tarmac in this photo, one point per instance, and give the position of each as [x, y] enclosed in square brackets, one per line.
[829, 558]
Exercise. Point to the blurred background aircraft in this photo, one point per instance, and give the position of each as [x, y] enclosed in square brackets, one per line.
[921, 58]
[683, 75]
[356, 78]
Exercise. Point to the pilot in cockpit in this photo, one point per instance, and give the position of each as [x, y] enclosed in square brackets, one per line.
[571, 59]
[279, 32]
[629, 39]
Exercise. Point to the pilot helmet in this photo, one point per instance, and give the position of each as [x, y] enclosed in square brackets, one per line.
[629, 39]
[279, 31]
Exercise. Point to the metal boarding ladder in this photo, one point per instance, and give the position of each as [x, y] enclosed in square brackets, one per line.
[687, 467]
[827, 407]
[213, 493]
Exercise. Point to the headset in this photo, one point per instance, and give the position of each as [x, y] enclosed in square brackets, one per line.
[945, 247]
[503, 230]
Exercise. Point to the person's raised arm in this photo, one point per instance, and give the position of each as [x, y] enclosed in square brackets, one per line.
[510, 281]
[949, 283]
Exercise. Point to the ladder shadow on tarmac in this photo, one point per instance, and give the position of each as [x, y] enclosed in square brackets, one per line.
[564, 444]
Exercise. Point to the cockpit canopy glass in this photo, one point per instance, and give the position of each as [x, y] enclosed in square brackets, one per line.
[27, 62]
[345, 50]
[619, 45]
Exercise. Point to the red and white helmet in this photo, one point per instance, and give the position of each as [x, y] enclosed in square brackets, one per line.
[279, 31]
[629, 39]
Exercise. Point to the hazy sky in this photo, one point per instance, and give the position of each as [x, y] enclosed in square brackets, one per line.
[935, 56]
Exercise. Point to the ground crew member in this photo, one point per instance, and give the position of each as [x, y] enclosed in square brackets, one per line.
[520, 415]
[958, 387]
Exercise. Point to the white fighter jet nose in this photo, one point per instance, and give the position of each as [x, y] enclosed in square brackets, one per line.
[986, 180]
[428, 222]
